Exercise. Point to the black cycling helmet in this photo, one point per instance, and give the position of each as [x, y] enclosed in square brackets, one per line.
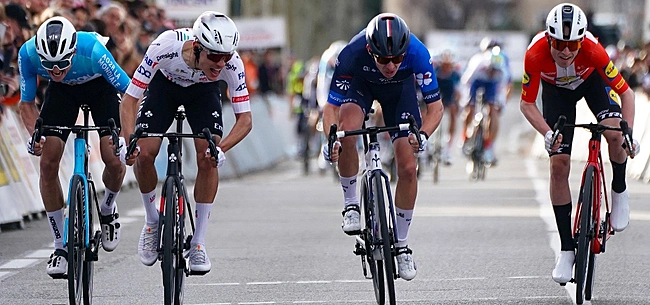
[387, 35]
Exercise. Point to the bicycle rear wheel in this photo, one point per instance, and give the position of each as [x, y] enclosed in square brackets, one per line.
[591, 269]
[169, 242]
[584, 234]
[89, 261]
[387, 242]
[376, 266]
[75, 240]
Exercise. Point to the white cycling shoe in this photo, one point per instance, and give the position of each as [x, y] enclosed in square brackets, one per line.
[351, 222]
[405, 264]
[148, 245]
[620, 216]
[110, 230]
[563, 270]
[57, 266]
[198, 259]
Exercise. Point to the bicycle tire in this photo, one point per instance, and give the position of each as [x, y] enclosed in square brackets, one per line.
[591, 269]
[89, 264]
[437, 155]
[376, 267]
[584, 234]
[387, 243]
[180, 246]
[75, 240]
[476, 155]
[168, 241]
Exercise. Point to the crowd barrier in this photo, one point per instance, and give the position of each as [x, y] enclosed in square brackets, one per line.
[637, 168]
[19, 183]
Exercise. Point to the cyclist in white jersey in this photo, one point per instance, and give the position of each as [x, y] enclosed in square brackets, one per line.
[182, 67]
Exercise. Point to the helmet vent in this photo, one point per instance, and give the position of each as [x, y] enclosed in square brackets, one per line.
[62, 46]
[53, 46]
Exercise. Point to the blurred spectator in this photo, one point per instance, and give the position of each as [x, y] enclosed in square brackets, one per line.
[9, 78]
[267, 73]
[37, 8]
[250, 67]
[19, 23]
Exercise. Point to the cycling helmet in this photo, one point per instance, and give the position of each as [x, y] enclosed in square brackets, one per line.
[497, 61]
[216, 31]
[566, 15]
[55, 39]
[387, 35]
[487, 43]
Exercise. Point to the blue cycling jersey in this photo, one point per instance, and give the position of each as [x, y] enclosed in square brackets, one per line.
[355, 61]
[92, 60]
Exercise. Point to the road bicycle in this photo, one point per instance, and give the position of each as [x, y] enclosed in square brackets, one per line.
[436, 147]
[474, 145]
[175, 208]
[82, 247]
[375, 244]
[590, 232]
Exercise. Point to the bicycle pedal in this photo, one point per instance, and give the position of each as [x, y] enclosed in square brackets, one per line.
[199, 273]
[562, 284]
[59, 276]
[353, 233]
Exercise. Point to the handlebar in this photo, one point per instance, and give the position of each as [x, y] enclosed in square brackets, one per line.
[334, 134]
[112, 128]
[139, 133]
[595, 128]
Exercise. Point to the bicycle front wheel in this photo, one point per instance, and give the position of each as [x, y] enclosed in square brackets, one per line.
[386, 234]
[374, 263]
[75, 240]
[169, 242]
[585, 233]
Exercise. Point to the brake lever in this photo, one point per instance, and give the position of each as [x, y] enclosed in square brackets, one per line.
[414, 129]
[133, 140]
[212, 146]
[115, 135]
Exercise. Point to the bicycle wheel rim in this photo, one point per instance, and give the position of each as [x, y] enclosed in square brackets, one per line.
[168, 264]
[584, 238]
[75, 241]
[387, 247]
[88, 266]
[591, 269]
[180, 260]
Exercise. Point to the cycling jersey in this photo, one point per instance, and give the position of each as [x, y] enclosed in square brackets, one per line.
[91, 60]
[355, 62]
[165, 55]
[539, 65]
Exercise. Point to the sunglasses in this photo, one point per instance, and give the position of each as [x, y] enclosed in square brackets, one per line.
[217, 56]
[385, 60]
[61, 64]
[559, 45]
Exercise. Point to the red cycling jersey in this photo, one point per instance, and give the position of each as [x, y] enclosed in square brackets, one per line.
[539, 64]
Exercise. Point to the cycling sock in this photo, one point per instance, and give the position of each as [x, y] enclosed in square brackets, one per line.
[151, 211]
[55, 219]
[202, 215]
[349, 185]
[108, 203]
[563, 221]
[618, 176]
[403, 222]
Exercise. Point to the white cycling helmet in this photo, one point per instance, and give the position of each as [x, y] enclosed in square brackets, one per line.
[56, 39]
[566, 15]
[216, 31]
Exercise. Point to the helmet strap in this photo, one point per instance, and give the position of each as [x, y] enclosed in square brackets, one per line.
[197, 53]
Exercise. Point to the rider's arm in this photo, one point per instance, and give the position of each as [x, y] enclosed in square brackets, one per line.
[243, 125]
[627, 106]
[330, 116]
[432, 118]
[128, 111]
[28, 110]
[235, 77]
[28, 113]
[534, 116]
[426, 79]
[105, 64]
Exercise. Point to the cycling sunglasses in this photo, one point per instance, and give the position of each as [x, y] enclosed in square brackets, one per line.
[559, 45]
[217, 56]
[61, 64]
[385, 60]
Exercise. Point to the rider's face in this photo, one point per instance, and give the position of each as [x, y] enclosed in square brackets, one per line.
[212, 63]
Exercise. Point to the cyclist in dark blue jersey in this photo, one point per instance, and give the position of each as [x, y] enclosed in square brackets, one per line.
[80, 71]
[384, 62]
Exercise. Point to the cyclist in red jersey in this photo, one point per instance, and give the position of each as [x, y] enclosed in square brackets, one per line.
[570, 64]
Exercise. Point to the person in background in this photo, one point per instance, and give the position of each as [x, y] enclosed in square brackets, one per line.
[449, 83]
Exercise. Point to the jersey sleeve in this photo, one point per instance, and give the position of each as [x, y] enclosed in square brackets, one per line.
[148, 67]
[233, 74]
[607, 69]
[531, 79]
[342, 77]
[425, 76]
[105, 64]
[27, 74]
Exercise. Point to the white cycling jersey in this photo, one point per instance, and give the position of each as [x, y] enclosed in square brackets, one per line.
[165, 55]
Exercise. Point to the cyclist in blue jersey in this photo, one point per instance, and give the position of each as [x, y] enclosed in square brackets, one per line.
[383, 62]
[448, 79]
[80, 71]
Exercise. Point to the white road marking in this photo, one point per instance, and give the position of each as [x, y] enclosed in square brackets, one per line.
[264, 283]
[19, 263]
[43, 253]
[4, 274]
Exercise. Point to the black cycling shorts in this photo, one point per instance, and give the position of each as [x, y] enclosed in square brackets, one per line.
[202, 103]
[62, 102]
[556, 101]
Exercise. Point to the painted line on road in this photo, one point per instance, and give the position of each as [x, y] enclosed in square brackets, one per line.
[19, 263]
[547, 215]
[4, 274]
[43, 253]
[410, 301]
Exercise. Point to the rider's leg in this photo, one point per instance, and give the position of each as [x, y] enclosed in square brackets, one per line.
[113, 175]
[50, 186]
[561, 200]
[350, 118]
[147, 176]
[205, 190]
[453, 115]
[618, 157]
[406, 189]
[469, 116]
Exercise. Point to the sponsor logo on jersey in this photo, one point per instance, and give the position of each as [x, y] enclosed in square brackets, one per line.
[566, 79]
[613, 96]
[148, 61]
[241, 75]
[142, 70]
[343, 84]
[239, 99]
[405, 115]
[167, 55]
[620, 84]
[525, 80]
[231, 67]
[423, 79]
[611, 71]
[241, 87]
[215, 114]
[138, 83]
